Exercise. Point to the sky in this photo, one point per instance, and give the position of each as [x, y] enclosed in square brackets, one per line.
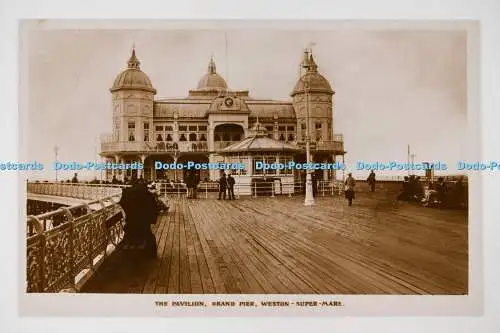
[392, 88]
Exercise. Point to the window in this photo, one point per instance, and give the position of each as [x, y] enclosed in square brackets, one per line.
[203, 137]
[183, 137]
[131, 138]
[159, 137]
[290, 128]
[193, 128]
[318, 125]
[281, 128]
[168, 138]
[269, 128]
[303, 126]
[282, 137]
[131, 124]
[202, 128]
[169, 128]
[146, 137]
[182, 128]
[146, 126]
[217, 137]
[291, 137]
[192, 137]
[159, 128]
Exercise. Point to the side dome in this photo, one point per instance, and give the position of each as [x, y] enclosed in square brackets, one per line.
[313, 79]
[133, 78]
[211, 80]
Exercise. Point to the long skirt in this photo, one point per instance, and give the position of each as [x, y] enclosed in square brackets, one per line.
[349, 194]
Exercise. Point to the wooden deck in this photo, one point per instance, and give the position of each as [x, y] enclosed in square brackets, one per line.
[278, 246]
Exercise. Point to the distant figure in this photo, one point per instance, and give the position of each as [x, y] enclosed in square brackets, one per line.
[371, 181]
[405, 193]
[75, 178]
[222, 186]
[114, 180]
[349, 188]
[141, 211]
[230, 187]
[189, 184]
[196, 181]
[314, 184]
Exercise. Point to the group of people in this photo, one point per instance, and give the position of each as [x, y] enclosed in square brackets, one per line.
[226, 184]
[435, 194]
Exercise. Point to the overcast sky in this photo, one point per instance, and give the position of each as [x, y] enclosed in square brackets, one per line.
[393, 88]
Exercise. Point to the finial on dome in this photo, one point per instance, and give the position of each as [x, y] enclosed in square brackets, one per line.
[211, 66]
[133, 62]
[312, 64]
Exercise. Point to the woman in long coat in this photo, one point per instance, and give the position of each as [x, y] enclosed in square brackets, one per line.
[349, 188]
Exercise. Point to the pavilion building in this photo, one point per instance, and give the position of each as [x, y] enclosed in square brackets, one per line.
[213, 117]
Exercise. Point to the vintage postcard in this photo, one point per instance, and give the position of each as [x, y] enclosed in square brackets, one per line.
[229, 168]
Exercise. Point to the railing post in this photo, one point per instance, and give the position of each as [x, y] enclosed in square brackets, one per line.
[272, 189]
[41, 257]
[71, 247]
[254, 189]
[206, 191]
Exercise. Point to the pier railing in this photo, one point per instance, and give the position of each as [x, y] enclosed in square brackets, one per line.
[75, 190]
[66, 246]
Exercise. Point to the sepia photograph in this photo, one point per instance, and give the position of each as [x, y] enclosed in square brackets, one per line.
[219, 159]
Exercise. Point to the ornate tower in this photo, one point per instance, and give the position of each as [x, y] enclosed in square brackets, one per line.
[132, 94]
[313, 89]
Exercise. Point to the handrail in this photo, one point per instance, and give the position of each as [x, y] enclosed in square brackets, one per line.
[63, 256]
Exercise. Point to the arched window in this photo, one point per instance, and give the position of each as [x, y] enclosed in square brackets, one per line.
[192, 137]
[291, 137]
[182, 138]
[131, 138]
[203, 137]
[282, 137]
[217, 137]
[159, 138]
[168, 138]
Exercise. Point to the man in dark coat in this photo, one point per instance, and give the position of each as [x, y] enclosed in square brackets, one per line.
[230, 187]
[141, 211]
[371, 181]
[222, 186]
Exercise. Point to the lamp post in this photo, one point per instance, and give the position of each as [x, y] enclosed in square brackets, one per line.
[309, 199]
[56, 150]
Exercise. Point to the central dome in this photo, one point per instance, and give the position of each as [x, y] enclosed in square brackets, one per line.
[211, 80]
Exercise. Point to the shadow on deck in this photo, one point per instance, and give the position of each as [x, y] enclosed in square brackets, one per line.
[278, 246]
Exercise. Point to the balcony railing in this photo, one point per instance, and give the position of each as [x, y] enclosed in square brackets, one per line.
[133, 146]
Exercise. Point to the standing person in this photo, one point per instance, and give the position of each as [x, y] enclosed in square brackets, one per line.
[196, 181]
[230, 187]
[75, 178]
[222, 186]
[349, 188]
[188, 179]
[371, 181]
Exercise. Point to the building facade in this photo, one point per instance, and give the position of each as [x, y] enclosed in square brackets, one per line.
[211, 118]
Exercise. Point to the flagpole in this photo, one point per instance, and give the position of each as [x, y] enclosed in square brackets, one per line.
[408, 159]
